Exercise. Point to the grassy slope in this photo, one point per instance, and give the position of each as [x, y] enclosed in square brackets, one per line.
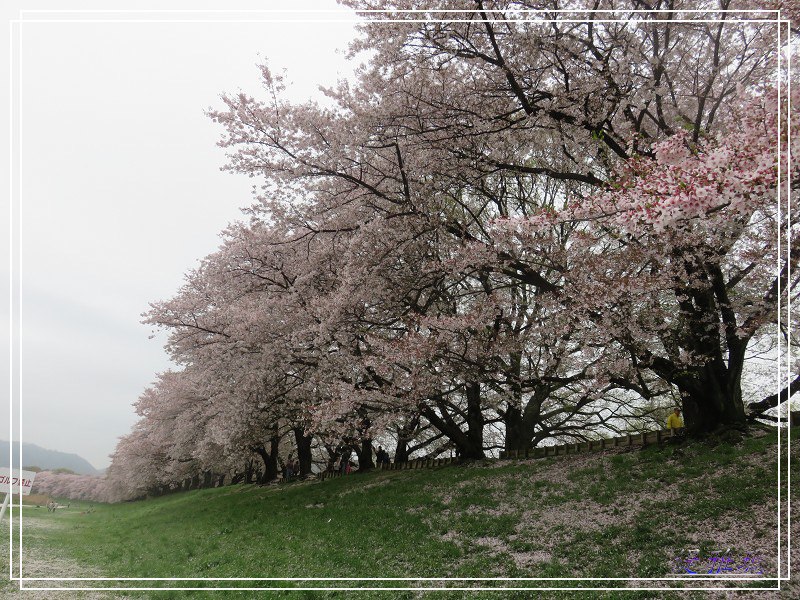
[613, 514]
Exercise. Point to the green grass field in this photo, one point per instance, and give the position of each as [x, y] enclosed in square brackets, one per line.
[623, 513]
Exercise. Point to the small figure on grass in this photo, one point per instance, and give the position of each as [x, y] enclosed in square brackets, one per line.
[345, 461]
[381, 456]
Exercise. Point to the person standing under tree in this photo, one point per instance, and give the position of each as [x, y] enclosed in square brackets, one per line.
[674, 421]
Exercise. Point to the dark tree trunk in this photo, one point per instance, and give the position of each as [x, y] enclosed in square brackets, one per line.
[207, 479]
[712, 399]
[303, 443]
[521, 433]
[516, 438]
[474, 438]
[401, 451]
[221, 480]
[269, 458]
[712, 393]
[271, 468]
[469, 443]
[332, 455]
[405, 435]
[364, 453]
[266, 458]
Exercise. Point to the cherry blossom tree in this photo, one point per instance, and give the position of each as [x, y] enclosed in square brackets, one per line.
[683, 274]
[546, 224]
[71, 486]
[564, 106]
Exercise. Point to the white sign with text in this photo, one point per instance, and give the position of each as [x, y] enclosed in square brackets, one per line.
[21, 481]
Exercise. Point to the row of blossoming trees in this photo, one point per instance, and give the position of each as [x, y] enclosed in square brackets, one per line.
[510, 228]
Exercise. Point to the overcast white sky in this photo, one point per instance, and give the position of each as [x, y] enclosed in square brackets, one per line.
[118, 190]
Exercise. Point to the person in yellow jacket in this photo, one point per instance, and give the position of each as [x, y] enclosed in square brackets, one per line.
[674, 421]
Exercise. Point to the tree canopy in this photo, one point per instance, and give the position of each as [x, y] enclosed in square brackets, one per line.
[516, 224]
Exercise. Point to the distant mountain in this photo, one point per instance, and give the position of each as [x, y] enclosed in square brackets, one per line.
[33, 455]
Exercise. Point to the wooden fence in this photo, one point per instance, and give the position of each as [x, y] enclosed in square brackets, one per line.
[637, 439]
[422, 463]
[633, 439]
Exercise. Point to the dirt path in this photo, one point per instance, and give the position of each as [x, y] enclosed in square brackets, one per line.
[38, 562]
